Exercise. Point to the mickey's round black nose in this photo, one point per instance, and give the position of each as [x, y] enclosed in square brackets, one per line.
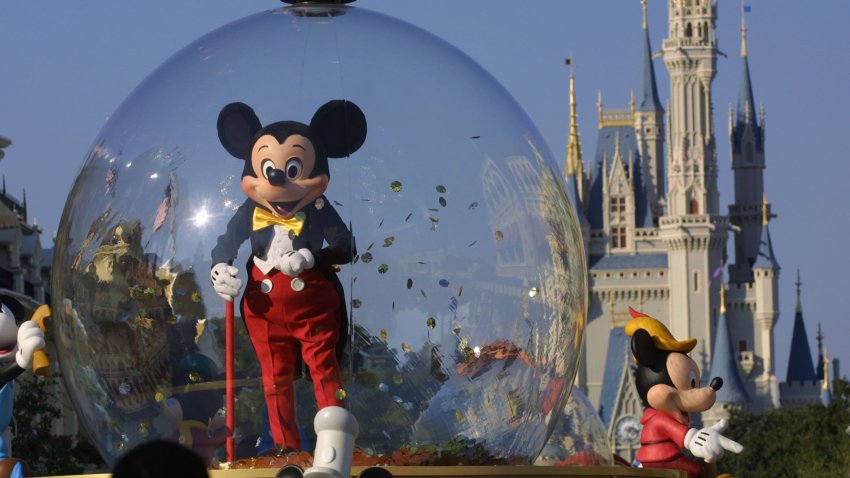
[276, 177]
[716, 383]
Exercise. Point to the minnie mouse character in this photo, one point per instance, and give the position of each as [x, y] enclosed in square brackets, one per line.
[293, 298]
[668, 382]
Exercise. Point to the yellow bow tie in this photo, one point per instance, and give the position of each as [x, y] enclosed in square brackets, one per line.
[263, 218]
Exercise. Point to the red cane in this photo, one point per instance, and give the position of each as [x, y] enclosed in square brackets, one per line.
[228, 365]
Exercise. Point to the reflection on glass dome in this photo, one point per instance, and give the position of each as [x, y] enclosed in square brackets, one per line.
[466, 295]
[579, 438]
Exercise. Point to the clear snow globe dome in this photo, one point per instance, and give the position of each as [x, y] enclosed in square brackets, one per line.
[579, 437]
[466, 294]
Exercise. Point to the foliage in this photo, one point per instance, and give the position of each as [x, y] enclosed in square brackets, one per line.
[34, 442]
[811, 441]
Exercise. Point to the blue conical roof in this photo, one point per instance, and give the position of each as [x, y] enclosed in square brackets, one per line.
[745, 96]
[800, 367]
[725, 365]
[766, 259]
[648, 99]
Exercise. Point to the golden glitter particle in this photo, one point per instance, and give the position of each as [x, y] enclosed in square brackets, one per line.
[356, 303]
[366, 257]
[499, 235]
[409, 283]
[383, 268]
[384, 335]
[458, 416]
[398, 379]
[406, 348]
[196, 297]
[320, 203]
[119, 445]
[460, 291]
[533, 292]
[341, 394]
[431, 322]
[159, 397]
[195, 377]
[395, 186]
[469, 353]
[441, 189]
[389, 241]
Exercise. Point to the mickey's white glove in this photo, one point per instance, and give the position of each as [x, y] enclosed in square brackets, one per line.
[30, 339]
[709, 444]
[294, 262]
[225, 282]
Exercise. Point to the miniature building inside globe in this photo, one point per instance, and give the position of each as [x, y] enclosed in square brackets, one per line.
[466, 293]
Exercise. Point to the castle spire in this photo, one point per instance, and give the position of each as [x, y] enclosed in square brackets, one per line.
[821, 354]
[746, 104]
[724, 363]
[800, 368]
[743, 30]
[648, 92]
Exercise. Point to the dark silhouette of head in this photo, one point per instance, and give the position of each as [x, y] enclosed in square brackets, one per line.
[160, 459]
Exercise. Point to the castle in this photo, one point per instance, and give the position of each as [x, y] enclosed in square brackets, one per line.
[656, 237]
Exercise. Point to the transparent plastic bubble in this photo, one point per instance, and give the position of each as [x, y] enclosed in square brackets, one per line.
[452, 171]
[579, 438]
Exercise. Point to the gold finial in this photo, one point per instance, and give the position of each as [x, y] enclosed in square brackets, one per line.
[765, 214]
[632, 101]
[574, 161]
[643, 7]
[722, 299]
[799, 284]
[599, 107]
[743, 30]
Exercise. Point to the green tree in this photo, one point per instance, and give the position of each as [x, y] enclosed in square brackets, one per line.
[34, 442]
[804, 442]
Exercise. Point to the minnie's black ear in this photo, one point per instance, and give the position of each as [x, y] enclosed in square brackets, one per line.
[237, 125]
[341, 126]
[643, 348]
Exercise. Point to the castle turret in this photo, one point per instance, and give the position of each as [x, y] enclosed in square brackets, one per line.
[693, 231]
[746, 136]
[766, 286]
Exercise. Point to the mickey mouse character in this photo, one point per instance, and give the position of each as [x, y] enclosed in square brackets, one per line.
[18, 344]
[668, 382]
[292, 298]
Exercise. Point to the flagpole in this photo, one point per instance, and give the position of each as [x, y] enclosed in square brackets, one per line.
[229, 377]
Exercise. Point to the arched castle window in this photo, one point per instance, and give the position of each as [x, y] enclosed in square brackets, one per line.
[693, 206]
[688, 31]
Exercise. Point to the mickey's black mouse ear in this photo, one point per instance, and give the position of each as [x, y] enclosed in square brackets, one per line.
[341, 126]
[643, 348]
[237, 125]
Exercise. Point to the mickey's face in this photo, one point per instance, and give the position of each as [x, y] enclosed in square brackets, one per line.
[686, 395]
[282, 181]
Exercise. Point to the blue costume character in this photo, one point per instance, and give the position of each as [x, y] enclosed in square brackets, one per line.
[18, 344]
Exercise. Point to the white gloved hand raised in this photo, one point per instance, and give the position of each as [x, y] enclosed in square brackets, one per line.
[225, 282]
[30, 339]
[709, 444]
[295, 262]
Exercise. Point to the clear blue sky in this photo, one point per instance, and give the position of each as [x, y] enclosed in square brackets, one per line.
[66, 66]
